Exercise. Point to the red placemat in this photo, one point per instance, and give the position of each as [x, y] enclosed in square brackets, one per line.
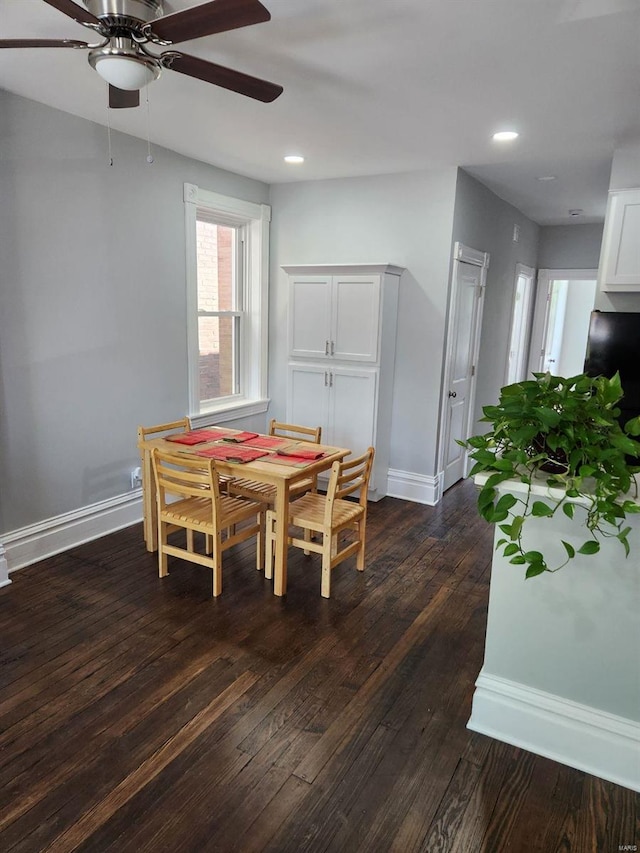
[198, 436]
[232, 454]
[240, 437]
[301, 452]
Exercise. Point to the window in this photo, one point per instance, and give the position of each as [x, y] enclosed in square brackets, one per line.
[227, 273]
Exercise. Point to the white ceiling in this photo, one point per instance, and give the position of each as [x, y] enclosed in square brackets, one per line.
[379, 86]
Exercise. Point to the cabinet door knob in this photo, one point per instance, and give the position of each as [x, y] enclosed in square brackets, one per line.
[452, 394]
[326, 347]
[325, 379]
[333, 347]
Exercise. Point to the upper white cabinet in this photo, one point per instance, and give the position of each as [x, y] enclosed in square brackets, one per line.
[620, 258]
[342, 334]
[334, 316]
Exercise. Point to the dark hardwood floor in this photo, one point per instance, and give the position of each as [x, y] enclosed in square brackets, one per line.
[139, 714]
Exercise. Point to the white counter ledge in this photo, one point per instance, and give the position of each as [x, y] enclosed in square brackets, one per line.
[561, 674]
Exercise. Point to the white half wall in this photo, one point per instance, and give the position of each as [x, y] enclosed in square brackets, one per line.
[561, 673]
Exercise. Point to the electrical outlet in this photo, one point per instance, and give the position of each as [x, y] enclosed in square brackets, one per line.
[136, 478]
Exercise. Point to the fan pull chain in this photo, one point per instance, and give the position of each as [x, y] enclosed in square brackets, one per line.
[149, 154]
[110, 158]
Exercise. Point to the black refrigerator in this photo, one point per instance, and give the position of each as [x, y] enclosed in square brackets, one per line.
[614, 344]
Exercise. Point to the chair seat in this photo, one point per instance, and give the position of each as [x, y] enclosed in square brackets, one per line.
[197, 512]
[265, 491]
[309, 511]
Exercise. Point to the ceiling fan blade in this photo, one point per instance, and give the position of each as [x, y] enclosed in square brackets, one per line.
[42, 43]
[236, 81]
[122, 99]
[82, 16]
[217, 16]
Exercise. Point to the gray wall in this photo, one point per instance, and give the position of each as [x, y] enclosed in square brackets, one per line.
[570, 247]
[485, 222]
[92, 305]
[401, 219]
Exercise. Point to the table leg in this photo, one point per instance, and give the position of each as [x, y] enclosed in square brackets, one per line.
[282, 529]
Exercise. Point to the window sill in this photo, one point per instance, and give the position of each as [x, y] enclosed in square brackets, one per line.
[229, 412]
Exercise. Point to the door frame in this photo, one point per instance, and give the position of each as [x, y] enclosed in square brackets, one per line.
[474, 257]
[528, 273]
[540, 329]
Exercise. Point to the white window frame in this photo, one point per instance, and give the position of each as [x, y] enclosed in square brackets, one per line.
[253, 220]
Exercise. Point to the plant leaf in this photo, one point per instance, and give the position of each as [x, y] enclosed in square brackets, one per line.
[534, 569]
[541, 509]
[571, 551]
[589, 547]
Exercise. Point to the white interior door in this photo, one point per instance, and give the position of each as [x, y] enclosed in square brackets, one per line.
[463, 338]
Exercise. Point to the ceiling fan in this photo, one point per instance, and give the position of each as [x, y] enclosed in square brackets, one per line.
[126, 29]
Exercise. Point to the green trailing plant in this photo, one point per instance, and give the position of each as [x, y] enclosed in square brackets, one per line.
[563, 433]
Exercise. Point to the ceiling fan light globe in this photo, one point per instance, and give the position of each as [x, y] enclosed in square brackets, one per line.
[126, 73]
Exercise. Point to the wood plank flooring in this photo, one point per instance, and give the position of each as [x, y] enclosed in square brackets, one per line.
[139, 714]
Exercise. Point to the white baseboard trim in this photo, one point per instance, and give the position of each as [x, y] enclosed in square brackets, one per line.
[579, 736]
[4, 568]
[418, 488]
[53, 535]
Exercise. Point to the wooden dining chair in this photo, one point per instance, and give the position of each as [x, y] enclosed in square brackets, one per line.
[330, 516]
[189, 498]
[266, 492]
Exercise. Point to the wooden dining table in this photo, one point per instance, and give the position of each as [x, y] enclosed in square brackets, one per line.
[280, 475]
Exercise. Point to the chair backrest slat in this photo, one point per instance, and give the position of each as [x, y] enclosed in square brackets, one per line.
[186, 478]
[295, 431]
[347, 478]
[183, 424]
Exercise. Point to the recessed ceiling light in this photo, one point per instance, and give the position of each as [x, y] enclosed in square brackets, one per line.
[293, 158]
[505, 135]
[545, 178]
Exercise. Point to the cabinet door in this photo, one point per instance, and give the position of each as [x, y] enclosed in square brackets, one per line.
[355, 317]
[308, 397]
[310, 316]
[352, 408]
[621, 243]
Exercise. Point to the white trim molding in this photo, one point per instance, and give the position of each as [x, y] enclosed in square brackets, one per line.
[588, 739]
[418, 488]
[54, 535]
[253, 219]
[4, 568]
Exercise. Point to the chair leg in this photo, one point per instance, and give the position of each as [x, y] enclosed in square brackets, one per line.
[217, 564]
[208, 543]
[163, 570]
[189, 540]
[261, 542]
[327, 545]
[362, 529]
[307, 538]
[270, 540]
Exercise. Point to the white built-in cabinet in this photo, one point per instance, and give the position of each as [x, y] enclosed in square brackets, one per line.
[620, 257]
[342, 334]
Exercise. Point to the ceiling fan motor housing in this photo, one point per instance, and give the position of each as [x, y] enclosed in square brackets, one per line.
[128, 13]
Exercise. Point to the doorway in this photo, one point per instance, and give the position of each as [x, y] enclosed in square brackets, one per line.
[564, 304]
